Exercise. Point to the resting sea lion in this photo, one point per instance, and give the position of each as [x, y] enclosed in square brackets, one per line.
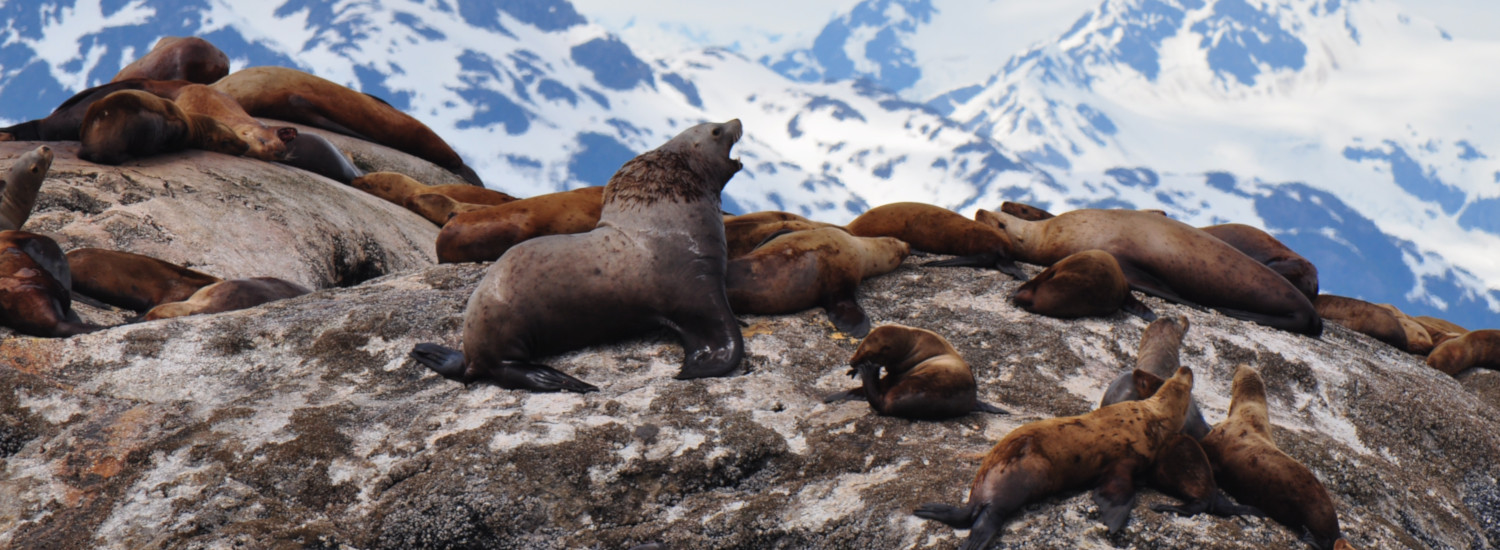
[178, 58]
[1439, 330]
[743, 236]
[485, 234]
[266, 143]
[1418, 340]
[934, 229]
[295, 96]
[1249, 466]
[316, 154]
[926, 379]
[1025, 211]
[64, 122]
[1362, 317]
[656, 259]
[438, 209]
[1108, 446]
[132, 281]
[130, 123]
[764, 217]
[1086, 284]
[19, 188]
[1264, 248]
[231, 295]
[1168, 259]
[805, 269]
[34, 278]
[396, 188]
[1158, 356]
[1478, 348]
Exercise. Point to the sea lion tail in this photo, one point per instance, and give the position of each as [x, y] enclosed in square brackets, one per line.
[446, 361]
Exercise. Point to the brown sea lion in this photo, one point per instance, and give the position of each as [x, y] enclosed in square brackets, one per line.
[1161, 343]
[1439, 330]
[19, 188]
[806, 269]
[438, 209]
[926, 379]
[266, 143]
[1108, 447]
[130, 123]
[132, 281]
[1478, 348]
[1087, 284]
[396, 188]
[743, 236]
[656, 259]
[1418, 340]
[1025, 211]
[65, 121]
[178, 58]
[316, 154]
[295, 96]
[1264, 248]
[34, 297]
[1167, 259]
[231, 295]
[935, 229]
[1362, 317]
[763, 217]
[485, 234]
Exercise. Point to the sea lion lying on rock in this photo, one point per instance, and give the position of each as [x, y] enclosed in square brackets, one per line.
[484, 234]
[938, 230]
[130, 124]
[805, 269]
[178, 58]
[926, 379]
[132, 281]
[231, 295]
[34, 279]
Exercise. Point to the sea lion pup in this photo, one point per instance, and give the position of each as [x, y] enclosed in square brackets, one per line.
[1362, 317]
[295, 96]
[1086, 284]
[130, 123]
[266, 143]
[1107, 447]
[926, 379]
[1167, 259]
[938, 230]
[805, 269]
[132, 281]
[395, 188]
[65, 121]
[178, 58]
[231, 295]
[742, 236]
[438, 209]
[1249, 466]
[34, 297]
[316, 154]
[1264, 248]
[1161, 343]
[656, 259]
[19, 188]
[1025, 211]
[1479, 348]
[487, 233]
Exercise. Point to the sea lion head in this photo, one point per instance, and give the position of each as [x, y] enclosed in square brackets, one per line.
[692, 167]
[36, 161]
[707, 148]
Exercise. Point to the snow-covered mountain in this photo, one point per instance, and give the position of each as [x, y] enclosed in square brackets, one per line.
[537, 99]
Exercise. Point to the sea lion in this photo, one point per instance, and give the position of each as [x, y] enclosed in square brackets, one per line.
[130, 123]
[231, 295]
[1108, 446]
[178, 58]
[1087, 284]
[1025, 211]
[1264, 248]
[1362, 317]
[1478, 348]
[926, 379]
[1418, 340]
[1249, 466]
[266, 143]
[485, 234]
[132, 281]
[743, 236]
[1439, 330]
[19, 188]
[935, 229]
[763, 217]
[316, 154]
[805, 269]
[34, 297]
[65, 122]
[656, 259]
[438, 209]
[395, 188]
[1167, 259]
[295, 96]
[1161, 343]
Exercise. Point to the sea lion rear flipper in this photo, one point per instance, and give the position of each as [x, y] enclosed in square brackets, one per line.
[992, 260]
[980, 406]
[1134, 307]
[1115, 495]
[1223, 507]
[953, 516]
[846, 315]
[853, 394]
[520, 375]
[91, 302]
[312, 117]
[1149, 285]
[1185, 509]
[445, 361]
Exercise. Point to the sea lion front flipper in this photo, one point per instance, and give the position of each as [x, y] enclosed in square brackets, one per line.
[520, 375]
[445, 361]
[1186, 509]
[980, 406]
[846, 315]
[314, 118]
[853, 394]
[1115, 495]
[1135, 307]
[711, 345]
[1222, 507]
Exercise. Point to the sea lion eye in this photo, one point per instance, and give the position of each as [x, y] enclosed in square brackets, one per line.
[718, 131]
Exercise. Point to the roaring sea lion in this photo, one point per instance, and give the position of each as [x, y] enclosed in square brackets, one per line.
[1161, 343]
[396, 188]
[19, 188]
[1108, 446]
[295, 96]
[926, 379]
[742, 236]
[1025, 211]
[231, 295]
[34, 297]
[178, 58]
[130, 123]
[132, 281]
[65, 121]
[656, 259]
[1168, 259]
[806, 269]
[1086, 284]
[1264, 248]
[1362, 317]
[316, 154]
[266, 143]
[938, 230]
[1478, 348]
[485, 234]
[438, 209]
[1249, 466]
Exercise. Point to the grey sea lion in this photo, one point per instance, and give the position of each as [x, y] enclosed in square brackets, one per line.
[19, 188]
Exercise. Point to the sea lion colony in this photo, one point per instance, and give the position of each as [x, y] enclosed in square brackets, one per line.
[560, 256]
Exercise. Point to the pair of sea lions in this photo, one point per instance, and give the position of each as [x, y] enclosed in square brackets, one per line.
[265, 142]
[1158, 355]
[484, 234]
[164, 290]
[744, 232]
[925, 378]
[656, 259]
[817, 267]
[937, 230]
[1479, 348]
[231, 295]
[66, 122]
[1388, 324]
[34, 283]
